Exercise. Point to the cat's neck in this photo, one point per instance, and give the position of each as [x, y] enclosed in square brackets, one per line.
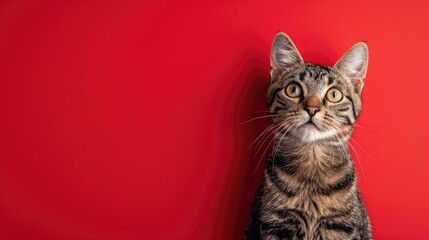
[318, 160]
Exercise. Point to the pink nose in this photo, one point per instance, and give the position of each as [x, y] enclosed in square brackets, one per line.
[312, 110]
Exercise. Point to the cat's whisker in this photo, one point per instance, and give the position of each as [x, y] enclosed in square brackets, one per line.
[275, 138]
[363, 148]
[342, 146]
[256, 118]
[365, 130]
[341, 131]
[343, 135]
[281, 140]
[266, 131]
[266, 111]
[263, 154]
[265, 138]
[370, 126]
[353, 139]
[358, 160]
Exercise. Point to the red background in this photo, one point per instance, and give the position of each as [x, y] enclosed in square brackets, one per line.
[122, 120]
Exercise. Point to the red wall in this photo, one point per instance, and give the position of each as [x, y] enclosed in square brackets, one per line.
[122, 120]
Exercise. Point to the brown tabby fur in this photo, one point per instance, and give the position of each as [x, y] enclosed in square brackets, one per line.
[309, 191]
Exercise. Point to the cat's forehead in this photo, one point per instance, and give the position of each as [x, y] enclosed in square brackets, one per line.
[315, 77]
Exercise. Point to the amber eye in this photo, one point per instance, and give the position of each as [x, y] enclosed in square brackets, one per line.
[293, 90]
[334, 95]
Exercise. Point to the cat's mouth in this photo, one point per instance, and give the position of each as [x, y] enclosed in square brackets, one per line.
[310, 125]
[310, 131]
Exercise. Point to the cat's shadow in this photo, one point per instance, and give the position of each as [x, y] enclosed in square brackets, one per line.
[251, 76]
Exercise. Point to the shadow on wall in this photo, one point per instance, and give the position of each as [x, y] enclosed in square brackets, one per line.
[249, 114]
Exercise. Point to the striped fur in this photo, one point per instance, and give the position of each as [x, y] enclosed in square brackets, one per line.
[309, 189]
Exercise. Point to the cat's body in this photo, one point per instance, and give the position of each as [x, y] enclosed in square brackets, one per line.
[309, 191]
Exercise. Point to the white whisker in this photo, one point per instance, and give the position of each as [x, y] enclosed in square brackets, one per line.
[256, 118]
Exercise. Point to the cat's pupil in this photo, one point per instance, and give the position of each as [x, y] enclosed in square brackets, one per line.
[294, 89]
[334, 94]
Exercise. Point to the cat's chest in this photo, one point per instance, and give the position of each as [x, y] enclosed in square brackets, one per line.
[302, 202]
[305, 211]
[307, 205]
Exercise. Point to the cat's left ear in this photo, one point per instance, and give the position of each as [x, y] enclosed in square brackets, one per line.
[354, 64]
[284, 54]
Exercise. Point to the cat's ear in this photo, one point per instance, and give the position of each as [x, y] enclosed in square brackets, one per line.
[354, 63]
[284, 53]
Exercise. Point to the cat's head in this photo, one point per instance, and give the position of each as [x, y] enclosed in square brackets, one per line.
[314, 102]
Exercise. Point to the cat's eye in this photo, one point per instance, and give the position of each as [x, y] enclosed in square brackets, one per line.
[334, 95]
[293, 90]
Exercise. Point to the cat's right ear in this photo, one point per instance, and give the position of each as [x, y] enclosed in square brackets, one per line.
[353, 64]
[284, 53]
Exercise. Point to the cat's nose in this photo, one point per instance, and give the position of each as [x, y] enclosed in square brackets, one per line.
[312, 105]
[312, 110]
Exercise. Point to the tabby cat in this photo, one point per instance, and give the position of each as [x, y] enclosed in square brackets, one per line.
[309, 189]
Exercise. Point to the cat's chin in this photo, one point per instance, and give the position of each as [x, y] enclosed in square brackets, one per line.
[309, 132]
